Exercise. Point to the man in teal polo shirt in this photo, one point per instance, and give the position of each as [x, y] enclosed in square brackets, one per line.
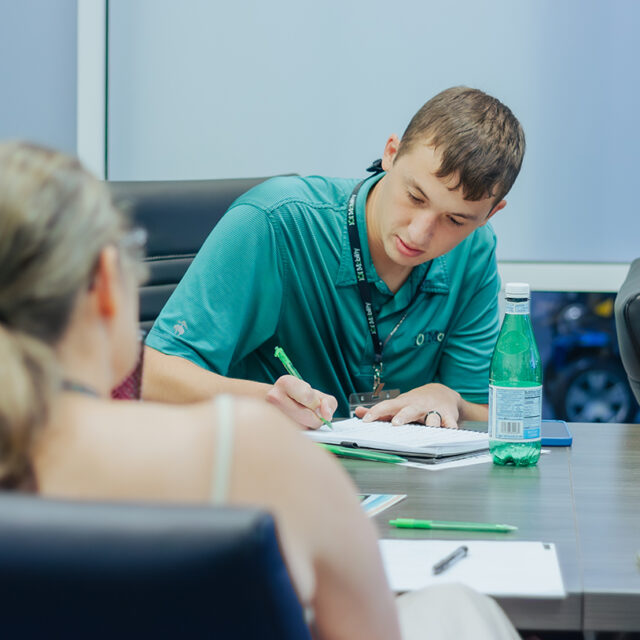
[389, 281]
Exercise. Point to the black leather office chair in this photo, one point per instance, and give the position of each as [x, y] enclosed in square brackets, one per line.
[178, 216]
[93, 570]
[627, 311]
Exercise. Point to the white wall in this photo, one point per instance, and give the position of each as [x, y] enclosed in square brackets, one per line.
[92, 85]
[203, 89]
[38, 72]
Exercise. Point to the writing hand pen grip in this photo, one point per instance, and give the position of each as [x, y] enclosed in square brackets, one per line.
[288, 365]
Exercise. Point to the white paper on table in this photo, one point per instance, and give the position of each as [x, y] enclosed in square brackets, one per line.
[451, 464]
[467, 461]
[495, 567]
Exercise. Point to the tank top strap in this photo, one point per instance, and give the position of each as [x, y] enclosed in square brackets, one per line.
[223, 454]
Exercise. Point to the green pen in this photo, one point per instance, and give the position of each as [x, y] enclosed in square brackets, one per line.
[288, 365]
[410, 523]
[351, 452]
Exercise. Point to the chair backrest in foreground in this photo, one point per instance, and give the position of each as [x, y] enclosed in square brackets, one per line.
[105, 570]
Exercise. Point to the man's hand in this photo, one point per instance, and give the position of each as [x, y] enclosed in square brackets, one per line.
[298, 400]
[434, 404]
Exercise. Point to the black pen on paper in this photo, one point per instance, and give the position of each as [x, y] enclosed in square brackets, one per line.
[450, 560]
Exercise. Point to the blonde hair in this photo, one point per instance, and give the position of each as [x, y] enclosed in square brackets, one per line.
[55, 219]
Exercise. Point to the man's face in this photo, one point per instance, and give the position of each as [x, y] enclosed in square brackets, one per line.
[415, 215]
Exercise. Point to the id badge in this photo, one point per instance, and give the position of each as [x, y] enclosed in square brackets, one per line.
[369, 398]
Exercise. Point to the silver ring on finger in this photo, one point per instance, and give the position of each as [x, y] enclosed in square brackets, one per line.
[432, 412]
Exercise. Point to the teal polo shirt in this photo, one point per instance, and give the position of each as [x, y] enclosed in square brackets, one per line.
[277, 270]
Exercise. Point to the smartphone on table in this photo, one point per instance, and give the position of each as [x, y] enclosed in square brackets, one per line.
[555, 433]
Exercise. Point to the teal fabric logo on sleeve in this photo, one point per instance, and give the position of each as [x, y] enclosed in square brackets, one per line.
[180, 327]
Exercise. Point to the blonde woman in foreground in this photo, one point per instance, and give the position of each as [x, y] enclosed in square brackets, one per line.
[68, 334]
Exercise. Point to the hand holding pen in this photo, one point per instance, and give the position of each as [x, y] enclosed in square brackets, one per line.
[297, 399]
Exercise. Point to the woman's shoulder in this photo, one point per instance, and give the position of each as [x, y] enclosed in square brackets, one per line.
[127, 450]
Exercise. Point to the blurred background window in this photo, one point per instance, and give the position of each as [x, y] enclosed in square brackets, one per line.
[584, 380]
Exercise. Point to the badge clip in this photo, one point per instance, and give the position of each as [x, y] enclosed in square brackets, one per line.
[369, 398]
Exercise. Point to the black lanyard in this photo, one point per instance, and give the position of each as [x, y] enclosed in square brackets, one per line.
[363, 285]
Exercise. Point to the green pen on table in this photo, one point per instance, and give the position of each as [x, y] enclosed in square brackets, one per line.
[360, 454]
[288, 365]
[411, 523]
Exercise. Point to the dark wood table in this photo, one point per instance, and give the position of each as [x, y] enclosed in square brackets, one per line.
[605, 464]
[585, 499]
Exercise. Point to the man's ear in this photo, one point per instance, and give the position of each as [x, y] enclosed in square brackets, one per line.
[390, 151]
[501, 205]
[106, 283]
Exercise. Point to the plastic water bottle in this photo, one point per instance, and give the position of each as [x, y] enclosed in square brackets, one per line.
[515, 385]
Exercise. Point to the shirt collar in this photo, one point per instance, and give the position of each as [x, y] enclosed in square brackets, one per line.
[437, 280]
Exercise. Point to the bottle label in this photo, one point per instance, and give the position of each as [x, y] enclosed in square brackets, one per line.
[515, 413]
[516, 308]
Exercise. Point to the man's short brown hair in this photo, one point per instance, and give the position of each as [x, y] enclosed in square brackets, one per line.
[479, 138]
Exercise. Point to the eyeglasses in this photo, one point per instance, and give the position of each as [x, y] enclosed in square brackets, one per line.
[134, 242]
[135, 239]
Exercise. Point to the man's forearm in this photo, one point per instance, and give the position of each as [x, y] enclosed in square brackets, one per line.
[473, 412]
[177, 380]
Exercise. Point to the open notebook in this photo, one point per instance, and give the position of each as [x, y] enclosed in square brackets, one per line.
[411, 440]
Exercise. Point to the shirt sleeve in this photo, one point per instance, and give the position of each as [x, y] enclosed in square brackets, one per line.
[467, 356]
[228, 302]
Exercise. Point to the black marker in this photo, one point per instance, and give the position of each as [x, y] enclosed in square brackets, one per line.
[449, 560]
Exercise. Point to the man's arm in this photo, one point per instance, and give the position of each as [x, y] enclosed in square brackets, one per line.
[173, 379]
[167, 378]
[226, 306]
[474, 412]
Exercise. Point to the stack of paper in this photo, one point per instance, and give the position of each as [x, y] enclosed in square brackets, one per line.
[410, 439]
[495, 567]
